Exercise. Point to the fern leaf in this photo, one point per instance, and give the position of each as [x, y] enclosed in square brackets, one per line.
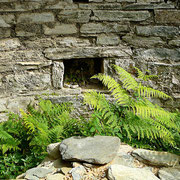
[116, 90]
[128, 81]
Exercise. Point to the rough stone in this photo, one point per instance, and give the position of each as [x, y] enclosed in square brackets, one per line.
[86, 52]
[119, 172]
[77, 172]
[120, 15]
[146, 6]
[35, 18]
[104, 6]
[145, 42]
[167, 16]
[94, 28]
[9, 44]
[28, 30]
[161, 31]
[159, 54]
[55, 177]
[5, 32]
[53, 150]
[58, 74]
[156, 158]
[81, 16]
[3, 24]
[169, 173]
[36, 173]
[60, 29]
[96, 150]
[175, 42]
[109, 39]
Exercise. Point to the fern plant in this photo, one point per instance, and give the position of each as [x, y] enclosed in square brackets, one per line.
[139, 115]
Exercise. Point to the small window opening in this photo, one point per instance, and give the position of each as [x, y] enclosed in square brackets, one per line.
[79, 72]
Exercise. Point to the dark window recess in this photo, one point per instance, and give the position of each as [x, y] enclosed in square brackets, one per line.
[80, 1]
[79, 72]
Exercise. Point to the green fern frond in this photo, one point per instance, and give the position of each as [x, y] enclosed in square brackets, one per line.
[99, 102]
[143, 76]
[148, 92]
[126, 78]
[116, 90]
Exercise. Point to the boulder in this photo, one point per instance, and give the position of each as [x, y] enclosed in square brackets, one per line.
[156, 158]
[120, 172]
[38, 172]
[53, 150]
[96, 150]
[169, 173]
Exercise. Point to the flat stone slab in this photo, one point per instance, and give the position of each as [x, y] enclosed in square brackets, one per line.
[96, 150]
[119, 172]
[156, 158]
[169, 173]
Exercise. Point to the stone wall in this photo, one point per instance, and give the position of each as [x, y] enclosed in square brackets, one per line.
[37, 36]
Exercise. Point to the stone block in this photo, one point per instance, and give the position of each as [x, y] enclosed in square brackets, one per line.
[145, 42]
[28, 30]
[84, 52]
[175, 42]
[160, 54]
[60, 29]
[58, 74]
[93, 28]
[28, 18]
[5, 32]
[126, 1]
[104, 6]
[81, 16]
[9, 44]
[27, 81]
[169, 173]
[144, 6]
[149, 1]
[3, 24]
[105, 15]
[20, 7]
[63, 4]
[9, 18]
[109, 39]
[167, 16]
[161, 31]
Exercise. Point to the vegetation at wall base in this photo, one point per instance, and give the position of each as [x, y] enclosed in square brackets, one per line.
[133, 117]
[24, 138]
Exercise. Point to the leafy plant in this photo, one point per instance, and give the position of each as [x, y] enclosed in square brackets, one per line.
[24, 139]
[134, 114]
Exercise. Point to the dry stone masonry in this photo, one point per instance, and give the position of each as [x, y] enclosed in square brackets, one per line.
[38, 37]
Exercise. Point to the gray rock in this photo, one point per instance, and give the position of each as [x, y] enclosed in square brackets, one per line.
[53, 150]
[94, 28]
[55, 177]
[109, 39]
[156, 158]
[167, 16]
[123, 157]
[97, 150]
[175, 42]
[36, 173]
[58, 74]
[120, 15]
[169, 173]
[3, 24]
[60, 29]
[9, 44]
[143, 42]
[161, 31]
[159, 54]
[73, 16]
[77, 172]
[5, 32]
[27, 18]
[119, 172]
